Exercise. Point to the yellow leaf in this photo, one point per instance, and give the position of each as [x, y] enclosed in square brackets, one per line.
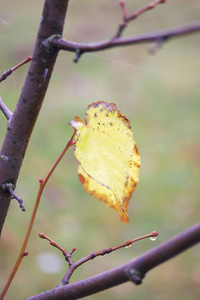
[108, 158]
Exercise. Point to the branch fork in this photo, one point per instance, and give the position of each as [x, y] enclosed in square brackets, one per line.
[117, 40]
[134, 276]
[42, 183]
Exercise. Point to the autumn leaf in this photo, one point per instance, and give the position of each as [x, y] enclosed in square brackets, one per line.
[107, 155]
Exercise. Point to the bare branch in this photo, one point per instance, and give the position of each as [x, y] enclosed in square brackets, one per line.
[73, 266]
[134, 15]
[67, 255]
[93, 255]
[7, 113]
[148, 37]
[149, 6]
[133, 271]
[8, 72]
[32, 219]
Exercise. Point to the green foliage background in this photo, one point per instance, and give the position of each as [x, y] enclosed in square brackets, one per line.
[163, 107]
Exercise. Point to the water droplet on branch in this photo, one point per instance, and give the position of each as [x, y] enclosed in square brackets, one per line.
[128, 246]
[153, 238]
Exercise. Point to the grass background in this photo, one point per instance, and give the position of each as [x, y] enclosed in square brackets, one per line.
[163, 107]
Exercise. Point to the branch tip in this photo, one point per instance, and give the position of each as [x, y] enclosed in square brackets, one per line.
[123, 6]
[8, 72]
[41, 180]
[21, 63]
[42, 235]
[154, 233]
[78, 55]
[72, 251]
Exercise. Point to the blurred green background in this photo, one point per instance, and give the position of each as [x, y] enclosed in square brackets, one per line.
[160, 95]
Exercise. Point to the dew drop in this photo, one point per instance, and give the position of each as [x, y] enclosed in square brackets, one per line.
[128, 246]
[153, 238]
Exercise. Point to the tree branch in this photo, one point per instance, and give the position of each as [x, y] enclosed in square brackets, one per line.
[29, 104]
[134, 270]
[33, 215]
[148, 37]
[128, 18]
[73, 266]
[8, 72]
[7, 113]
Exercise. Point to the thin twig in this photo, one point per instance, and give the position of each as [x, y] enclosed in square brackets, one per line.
[8, 72]
[73, 266]
[67, 255]
[134, 15]
[40, 191]
[7, 113]
[149, 6]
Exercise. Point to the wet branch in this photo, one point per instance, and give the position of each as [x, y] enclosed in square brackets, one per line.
[133, 271]
[73, 266]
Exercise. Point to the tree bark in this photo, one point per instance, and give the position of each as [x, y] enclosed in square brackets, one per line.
[22, 122]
